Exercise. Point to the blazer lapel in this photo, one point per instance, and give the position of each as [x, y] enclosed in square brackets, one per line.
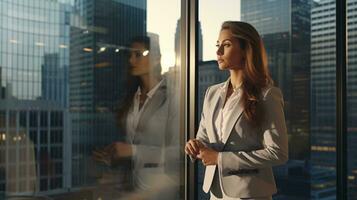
[211, 129]
[237, 112]
[153, 105]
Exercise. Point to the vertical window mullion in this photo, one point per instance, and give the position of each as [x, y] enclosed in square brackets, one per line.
[192, 90]
[341, 99]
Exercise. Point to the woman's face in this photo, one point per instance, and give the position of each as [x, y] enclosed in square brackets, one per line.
[139, 60]
[229, 53]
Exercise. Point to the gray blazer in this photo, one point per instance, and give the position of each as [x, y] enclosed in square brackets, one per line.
[247, 153]
[156, 154]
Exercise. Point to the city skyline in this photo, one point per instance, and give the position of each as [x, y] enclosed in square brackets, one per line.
[62, 99]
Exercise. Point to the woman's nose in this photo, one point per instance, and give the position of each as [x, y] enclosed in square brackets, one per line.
[219, 51]
[132, 58]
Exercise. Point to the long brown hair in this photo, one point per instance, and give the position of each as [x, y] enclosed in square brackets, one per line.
[133, 82]
[256, 74]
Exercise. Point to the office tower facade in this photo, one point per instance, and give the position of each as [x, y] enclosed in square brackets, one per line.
[34, 130]
[284, 26]
[285, 29]
[54, 84]
[352, 98]
[323, 90]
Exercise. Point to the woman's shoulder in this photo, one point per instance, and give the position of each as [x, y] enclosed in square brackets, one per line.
[216, 86]
[271, 91]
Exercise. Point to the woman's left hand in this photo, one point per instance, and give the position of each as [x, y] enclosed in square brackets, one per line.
[208, 156]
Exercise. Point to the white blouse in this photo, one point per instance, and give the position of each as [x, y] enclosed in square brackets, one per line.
[225, 111]
[142, 177]
[135, 113]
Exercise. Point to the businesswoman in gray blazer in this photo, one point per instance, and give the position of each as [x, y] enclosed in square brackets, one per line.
[146, 118]
[242, 133]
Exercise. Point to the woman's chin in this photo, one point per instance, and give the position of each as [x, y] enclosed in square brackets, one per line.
[138, 72]
[222, 67]
[135, 73]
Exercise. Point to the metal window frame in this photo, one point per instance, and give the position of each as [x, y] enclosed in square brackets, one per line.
[191, 8]
[189, 39]
[341, 100]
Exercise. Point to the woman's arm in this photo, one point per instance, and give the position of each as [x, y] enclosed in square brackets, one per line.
[193, 145]
[274, 137]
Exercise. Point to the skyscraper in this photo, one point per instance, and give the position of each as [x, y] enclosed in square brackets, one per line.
[284, 26]
[285, 29]
[323, 90]
[34, 132]
[54, 83]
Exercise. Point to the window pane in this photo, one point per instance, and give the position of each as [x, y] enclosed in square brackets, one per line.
[70, 73]
[352, 98]
[299, 37]
[208, 71]
[323, 104]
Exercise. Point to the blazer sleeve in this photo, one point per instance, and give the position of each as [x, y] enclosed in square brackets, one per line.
[275, 141]
[202, 131]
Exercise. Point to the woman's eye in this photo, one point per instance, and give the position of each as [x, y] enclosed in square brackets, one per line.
[217, 45]
[226, 45]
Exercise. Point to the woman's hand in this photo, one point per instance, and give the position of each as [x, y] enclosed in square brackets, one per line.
[192, 147]
[100, 155]
[208, 156]
[119, 150]
[113, 152]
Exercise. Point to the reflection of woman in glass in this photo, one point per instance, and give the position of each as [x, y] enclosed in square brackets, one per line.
[242, 133]
[144, 117]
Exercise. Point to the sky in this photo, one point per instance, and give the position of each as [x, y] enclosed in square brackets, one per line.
[162, 16]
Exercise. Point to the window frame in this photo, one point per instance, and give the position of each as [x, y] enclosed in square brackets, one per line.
[341, 95]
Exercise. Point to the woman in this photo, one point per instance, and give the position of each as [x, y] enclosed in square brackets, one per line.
[242, 133]
[144, 119]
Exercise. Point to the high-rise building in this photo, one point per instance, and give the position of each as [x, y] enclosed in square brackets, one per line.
[323, 89]
[352, 98]
[284, 26]
[54, 83]
[98, 75]
[323, 84]
[209, 74]
[34, 133]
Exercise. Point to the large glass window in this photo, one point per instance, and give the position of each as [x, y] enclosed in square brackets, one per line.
[208, 71]
[299, 37]
[89, 99]
[90, 94]
[352, 97]
[323, 99]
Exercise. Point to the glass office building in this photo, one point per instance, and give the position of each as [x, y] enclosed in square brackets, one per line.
[34, 82]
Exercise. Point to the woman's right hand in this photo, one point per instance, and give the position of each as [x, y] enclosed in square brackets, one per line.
[100, 155]
[192, 147]
[113, 153]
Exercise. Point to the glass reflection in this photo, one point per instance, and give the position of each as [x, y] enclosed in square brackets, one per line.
[64, 71]
[142, 119]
